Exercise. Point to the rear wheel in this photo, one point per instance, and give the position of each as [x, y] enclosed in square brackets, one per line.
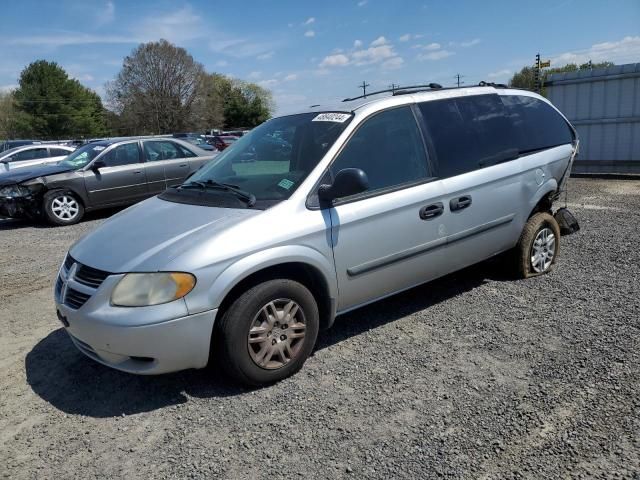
[267, 333]
[62, 208]
[539, 245]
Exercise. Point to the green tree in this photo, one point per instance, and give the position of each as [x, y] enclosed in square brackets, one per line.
[525, 78]
[52, 105]
[8, 115]
[156, 89]
[245, 104]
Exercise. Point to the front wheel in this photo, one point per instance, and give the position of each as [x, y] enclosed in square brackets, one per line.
[62, 208]
[267, 333]
[539, 245]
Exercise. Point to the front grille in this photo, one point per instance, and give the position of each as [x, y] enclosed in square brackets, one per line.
[91, 277]
[75, 299]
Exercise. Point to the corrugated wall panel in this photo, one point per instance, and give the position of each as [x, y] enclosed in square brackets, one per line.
[604, 105]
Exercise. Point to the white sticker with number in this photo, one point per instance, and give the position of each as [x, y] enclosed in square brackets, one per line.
[332, 117]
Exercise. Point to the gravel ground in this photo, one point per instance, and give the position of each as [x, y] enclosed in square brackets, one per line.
[472, 376]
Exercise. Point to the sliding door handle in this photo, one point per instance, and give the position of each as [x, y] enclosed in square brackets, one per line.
[459, 203]
[431, 211]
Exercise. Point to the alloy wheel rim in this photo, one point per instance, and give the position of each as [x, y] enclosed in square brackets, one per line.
[277, 333]
[65, 207]
[543, 250]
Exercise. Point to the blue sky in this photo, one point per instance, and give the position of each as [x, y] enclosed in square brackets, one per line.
[313, 52]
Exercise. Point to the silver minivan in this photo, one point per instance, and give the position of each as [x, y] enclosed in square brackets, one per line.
[263, 246]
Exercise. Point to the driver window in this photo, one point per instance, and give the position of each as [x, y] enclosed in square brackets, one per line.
[122, 155]
[388, 148]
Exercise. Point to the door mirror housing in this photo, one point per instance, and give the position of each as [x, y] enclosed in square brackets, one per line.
[97, 165]
[348, 181]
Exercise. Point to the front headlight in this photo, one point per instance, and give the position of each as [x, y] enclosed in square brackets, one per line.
[144, 289]
[14, 191]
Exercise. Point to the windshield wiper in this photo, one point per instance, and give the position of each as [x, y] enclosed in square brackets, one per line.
[249, 198]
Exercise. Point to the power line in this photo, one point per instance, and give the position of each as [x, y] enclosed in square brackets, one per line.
[393, 87]
[458, 77]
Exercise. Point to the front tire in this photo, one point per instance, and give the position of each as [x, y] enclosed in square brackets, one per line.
[539, 245]
[62, 208]
[267, 333]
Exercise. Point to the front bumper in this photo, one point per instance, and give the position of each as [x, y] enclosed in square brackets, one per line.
[18, 207]
[163, 347]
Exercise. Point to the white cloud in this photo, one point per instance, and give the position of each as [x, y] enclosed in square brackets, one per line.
[500, 73]
[272, 82]
[179, 27]
[310, 33]
[622, 51]
[432, 46]
[357, 44]
[393, 63]
[254, 75]
[309, 21]
[266, 55]
[379, 41]
[222, 63]
[405, 38]
[372, 55]
[291, 77]
[337, 60]
[435, 55]
[108, 14]
[70, 38]
[470, 43]
[362, 3]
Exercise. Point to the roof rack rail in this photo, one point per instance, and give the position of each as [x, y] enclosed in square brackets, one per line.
[417, 88]
[491, 84]
[396, 91]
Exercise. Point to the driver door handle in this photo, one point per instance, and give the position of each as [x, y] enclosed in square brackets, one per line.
[431, 211]
[459, 203]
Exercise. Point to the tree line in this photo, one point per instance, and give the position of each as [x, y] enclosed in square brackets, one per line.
[525, 78]
[160, 89]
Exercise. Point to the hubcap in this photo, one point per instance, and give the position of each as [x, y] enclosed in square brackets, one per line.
[277, 334]
[65, 207]
[543, 250]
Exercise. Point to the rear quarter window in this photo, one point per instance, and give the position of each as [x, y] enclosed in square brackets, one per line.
[536, 125]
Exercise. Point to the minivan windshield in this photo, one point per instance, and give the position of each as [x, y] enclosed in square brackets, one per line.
[269, 163]
[82, 156]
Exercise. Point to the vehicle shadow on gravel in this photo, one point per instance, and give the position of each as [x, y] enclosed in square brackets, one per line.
[74, 384]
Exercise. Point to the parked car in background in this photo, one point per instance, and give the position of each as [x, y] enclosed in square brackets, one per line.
[200, 142]
[32, 155]
[101, 174]
[221, 142]
[246, 261]
[8, 144]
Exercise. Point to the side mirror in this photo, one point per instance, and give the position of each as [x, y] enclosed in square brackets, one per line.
[348, 181]
[97, 165]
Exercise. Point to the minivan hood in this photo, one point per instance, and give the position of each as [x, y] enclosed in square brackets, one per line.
[19, 175]
[148, 235]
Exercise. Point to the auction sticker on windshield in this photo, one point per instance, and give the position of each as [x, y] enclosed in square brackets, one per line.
[332, 117]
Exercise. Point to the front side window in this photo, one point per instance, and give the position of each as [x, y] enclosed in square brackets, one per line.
[161, 150]
[126, 154]
[58, 152]
[83, 155]
[269, 163]
[31, 154]
[468, 133]
[536, 124]
[388, 148]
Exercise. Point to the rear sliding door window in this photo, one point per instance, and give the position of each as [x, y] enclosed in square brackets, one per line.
[468, 133]
[536, 124]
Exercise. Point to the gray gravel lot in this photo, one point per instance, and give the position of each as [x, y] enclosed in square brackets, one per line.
[472, 376]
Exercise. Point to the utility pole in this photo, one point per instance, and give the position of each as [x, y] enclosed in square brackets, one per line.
[458, 77]
[364, 88]
[536, 74]
[393, 87]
